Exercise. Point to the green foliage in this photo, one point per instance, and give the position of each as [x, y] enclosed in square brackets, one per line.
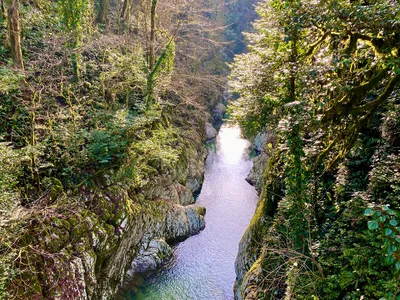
[38, 23]
[73, 13]
[7, 273]
[3, 33]
[75, 16]
[66, 141]
[151, 155]
[323, 77]
[105, 146]
[9, 80]
[14, 120]
[125, 74]
[386, 220]
[10, 170]
[162, 69]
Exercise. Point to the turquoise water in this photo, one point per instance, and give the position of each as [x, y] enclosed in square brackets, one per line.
[203, 266]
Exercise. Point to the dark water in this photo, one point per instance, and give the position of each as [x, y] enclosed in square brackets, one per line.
[203, 265]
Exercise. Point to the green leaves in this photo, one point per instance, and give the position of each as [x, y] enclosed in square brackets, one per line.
[73, 13]
[386, 218]
[392, 249]
[368, 212]
[372, 225]
[9, 80]
[106, 145]
[163, 68]
[10, 170]
[337, 58]
[388, 231]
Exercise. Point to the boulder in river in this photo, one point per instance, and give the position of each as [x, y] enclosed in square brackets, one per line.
[211, 132]
[151, 257]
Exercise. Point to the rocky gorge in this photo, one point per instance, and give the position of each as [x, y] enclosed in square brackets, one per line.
[247, 265]
[114, 230]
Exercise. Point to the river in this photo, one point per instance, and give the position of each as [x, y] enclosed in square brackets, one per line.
[203, 266]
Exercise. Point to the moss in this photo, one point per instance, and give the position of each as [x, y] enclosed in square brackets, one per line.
[257, 227]
[249, 288]
[79, 231]
[66, 224]
[110, 229]
[57, 222]
[103, 208]
[100, 218]
[201, 210]
[73, 221]
[55, 241]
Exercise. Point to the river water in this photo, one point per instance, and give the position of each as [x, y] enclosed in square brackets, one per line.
[203, 266]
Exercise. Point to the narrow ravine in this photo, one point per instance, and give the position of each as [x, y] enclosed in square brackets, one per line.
[203, 265]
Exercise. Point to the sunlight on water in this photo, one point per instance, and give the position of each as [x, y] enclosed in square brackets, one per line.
[203, 265]
[231, 145]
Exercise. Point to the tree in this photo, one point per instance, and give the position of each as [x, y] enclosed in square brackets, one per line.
[15, 33]
[74, 15]
[152, 33]
[2, 9]
[319, 75]
[102, 15]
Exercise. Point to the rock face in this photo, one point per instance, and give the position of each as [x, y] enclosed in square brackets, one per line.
[108, 233]
[248, 261]
[143, 244]
[146, 236]
[259, 141]
[262, 145]
[155, 251]
[256, 174]
[150, 257]
[211, 132]
[219, 112]
[247, 266]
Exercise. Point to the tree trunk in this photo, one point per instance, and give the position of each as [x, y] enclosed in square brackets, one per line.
[293, 66]
[2, 9]
[124, 7]
[103, 12]
[14, 32]
[152, 33]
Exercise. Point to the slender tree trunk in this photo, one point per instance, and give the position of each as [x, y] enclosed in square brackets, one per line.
[103, 12]
[2, 9]
[293, 66]
[15, 33]
[124, 7]
[152, 33]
